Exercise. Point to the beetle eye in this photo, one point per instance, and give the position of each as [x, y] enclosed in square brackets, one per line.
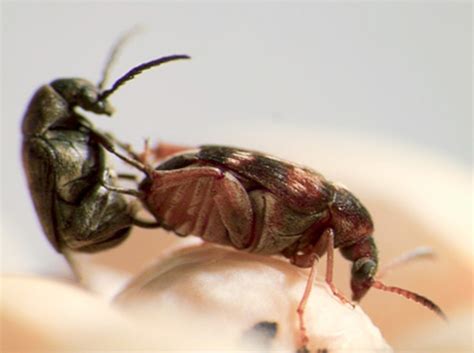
[364, 268]
[88, 95]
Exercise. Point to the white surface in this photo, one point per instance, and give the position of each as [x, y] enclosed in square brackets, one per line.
[396, 71]
[238, 290]
[224, 295]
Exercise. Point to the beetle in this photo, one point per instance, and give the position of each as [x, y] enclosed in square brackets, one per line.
[65, 162]
[263, 204]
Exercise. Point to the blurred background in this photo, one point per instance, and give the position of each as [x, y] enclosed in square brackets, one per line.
[375, 95]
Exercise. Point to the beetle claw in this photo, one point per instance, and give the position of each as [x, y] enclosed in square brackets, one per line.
[339, 295]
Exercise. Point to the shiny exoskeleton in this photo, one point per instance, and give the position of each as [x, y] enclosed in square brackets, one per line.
[66, 167]
[64, 158]
[262, 204]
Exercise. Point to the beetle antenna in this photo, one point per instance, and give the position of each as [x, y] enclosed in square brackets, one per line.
[114, 53]
[130, 75]
[412, 296]
[421, 252]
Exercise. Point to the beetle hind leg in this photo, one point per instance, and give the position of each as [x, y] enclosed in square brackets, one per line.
[235, 209]
[204, 201]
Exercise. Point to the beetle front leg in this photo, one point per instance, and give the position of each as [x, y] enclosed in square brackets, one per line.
[328, 239]
[109, 142]
[312, 253]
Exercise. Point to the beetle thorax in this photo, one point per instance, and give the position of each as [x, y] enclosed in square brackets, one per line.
[350, 219]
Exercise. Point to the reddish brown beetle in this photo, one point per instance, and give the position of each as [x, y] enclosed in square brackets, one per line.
[261, 204]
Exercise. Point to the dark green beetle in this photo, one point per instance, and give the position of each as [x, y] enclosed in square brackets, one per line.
[66, 164]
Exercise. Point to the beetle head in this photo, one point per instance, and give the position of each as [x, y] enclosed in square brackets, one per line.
[363, 272]
[365, 263]
[82, 93]
[353, 229]
[363, 254]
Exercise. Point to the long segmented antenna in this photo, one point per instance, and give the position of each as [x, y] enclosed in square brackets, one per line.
[114, 53]
[138, 70]
[422, 252]
[412, 296]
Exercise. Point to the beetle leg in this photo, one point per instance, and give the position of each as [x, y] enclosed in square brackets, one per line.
[328, 236]
[277, 227]
[304, 258]
[312, 253]
[126, 147]
[96, 223]
[120, 190]
[108, 142]
[302, 305]
[203, 201]
[139, 222]
[309, 257]
[235, 209]
[127, 176]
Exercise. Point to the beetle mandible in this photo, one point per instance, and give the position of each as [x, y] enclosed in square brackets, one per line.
[66, 166]
[262, 204]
